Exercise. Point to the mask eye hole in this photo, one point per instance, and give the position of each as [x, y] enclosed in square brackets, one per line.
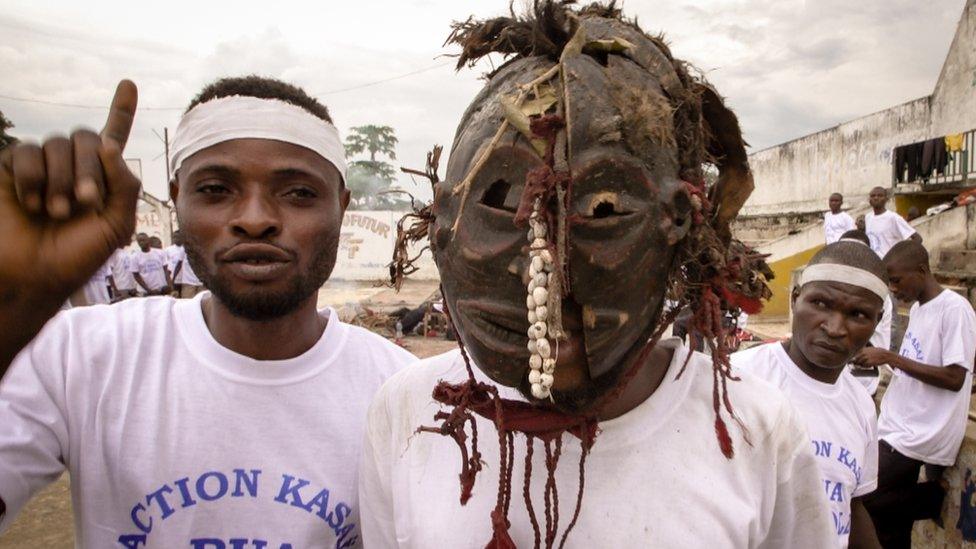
[605, 205]
[603, 209]
[497, 196]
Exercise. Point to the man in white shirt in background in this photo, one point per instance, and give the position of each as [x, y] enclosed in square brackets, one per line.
[185, 281]
[236, 418]
[190, 285]
[925, 409]
[97, 290]
[883, 227]
[870, 377]
[835, 309]
[149, 267]
[175, 257]
[121, 280]
[836, 222]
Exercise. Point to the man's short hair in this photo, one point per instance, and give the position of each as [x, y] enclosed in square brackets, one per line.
[856, 234]
[838, 195]
[908, 251]
[264, 88]
[852, 254]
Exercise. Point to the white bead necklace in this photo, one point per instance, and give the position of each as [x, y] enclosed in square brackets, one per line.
[542, 364]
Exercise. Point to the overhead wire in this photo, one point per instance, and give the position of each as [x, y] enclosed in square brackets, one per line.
[329, 92]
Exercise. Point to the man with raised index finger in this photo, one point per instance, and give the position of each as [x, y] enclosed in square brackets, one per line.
[233, 419]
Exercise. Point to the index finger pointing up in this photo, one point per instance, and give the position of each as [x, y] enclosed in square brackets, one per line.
[121, 113]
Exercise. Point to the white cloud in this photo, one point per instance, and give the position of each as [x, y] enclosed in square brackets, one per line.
[787, 67]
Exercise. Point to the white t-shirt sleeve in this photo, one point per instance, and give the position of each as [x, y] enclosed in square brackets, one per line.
[869, 469]
[800, 509]
[849, 221]
[902, 226]
[377, 518]
[958, 337]
[33, 424]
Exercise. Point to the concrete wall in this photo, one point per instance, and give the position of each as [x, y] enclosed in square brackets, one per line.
[799, 176]
[954, 99]
[853, 157]
[366, 244]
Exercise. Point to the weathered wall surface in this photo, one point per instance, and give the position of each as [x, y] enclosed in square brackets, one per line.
[954, 99]
[851, 158]
[366, 248]
[799, 176]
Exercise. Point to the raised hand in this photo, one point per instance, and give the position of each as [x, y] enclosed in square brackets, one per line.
[65, 206]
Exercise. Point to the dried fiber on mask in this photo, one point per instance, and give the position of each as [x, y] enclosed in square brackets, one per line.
[510, 418]
[420, 218]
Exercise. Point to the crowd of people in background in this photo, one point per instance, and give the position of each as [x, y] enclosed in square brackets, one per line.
[923, 412]
[148, 269]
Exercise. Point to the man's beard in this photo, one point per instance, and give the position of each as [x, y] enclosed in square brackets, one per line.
[263, 305]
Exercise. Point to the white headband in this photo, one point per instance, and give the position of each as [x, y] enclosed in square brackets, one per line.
[833, 272]
[238, 117]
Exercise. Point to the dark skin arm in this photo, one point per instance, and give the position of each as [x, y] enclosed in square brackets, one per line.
[64, 208]
[139, 281]
[170, 280]
[950, 378]
[863, 535]
[112, 286]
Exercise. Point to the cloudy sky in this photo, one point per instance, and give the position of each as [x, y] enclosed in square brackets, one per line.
[788, 67]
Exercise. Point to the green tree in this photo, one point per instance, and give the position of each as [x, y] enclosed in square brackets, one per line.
[367, 179]
[5, 138]
[372, 139]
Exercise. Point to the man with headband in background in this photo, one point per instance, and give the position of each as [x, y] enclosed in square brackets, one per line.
[870, 377]
[836, 306]
[925, 408]
[234, 419]
[574, 205]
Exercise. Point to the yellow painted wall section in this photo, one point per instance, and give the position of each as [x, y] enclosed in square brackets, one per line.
[905, 201]
[779, 304]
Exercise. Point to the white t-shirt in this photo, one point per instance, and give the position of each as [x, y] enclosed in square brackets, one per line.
[170, 437]
[96, 289]
[186, 275]
[122, 269]
[920, 420]
[149, 265]
[173, 256]
[840, 419]
[655, 476]
[886, 230]
[837, 224]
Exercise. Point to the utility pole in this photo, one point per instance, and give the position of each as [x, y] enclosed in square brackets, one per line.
[166, 145]
[165, 139]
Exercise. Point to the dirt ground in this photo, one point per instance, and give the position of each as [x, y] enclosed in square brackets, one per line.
[46, 521]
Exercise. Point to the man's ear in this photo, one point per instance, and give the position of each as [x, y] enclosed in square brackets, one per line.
[795, 294]
[174, 190]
